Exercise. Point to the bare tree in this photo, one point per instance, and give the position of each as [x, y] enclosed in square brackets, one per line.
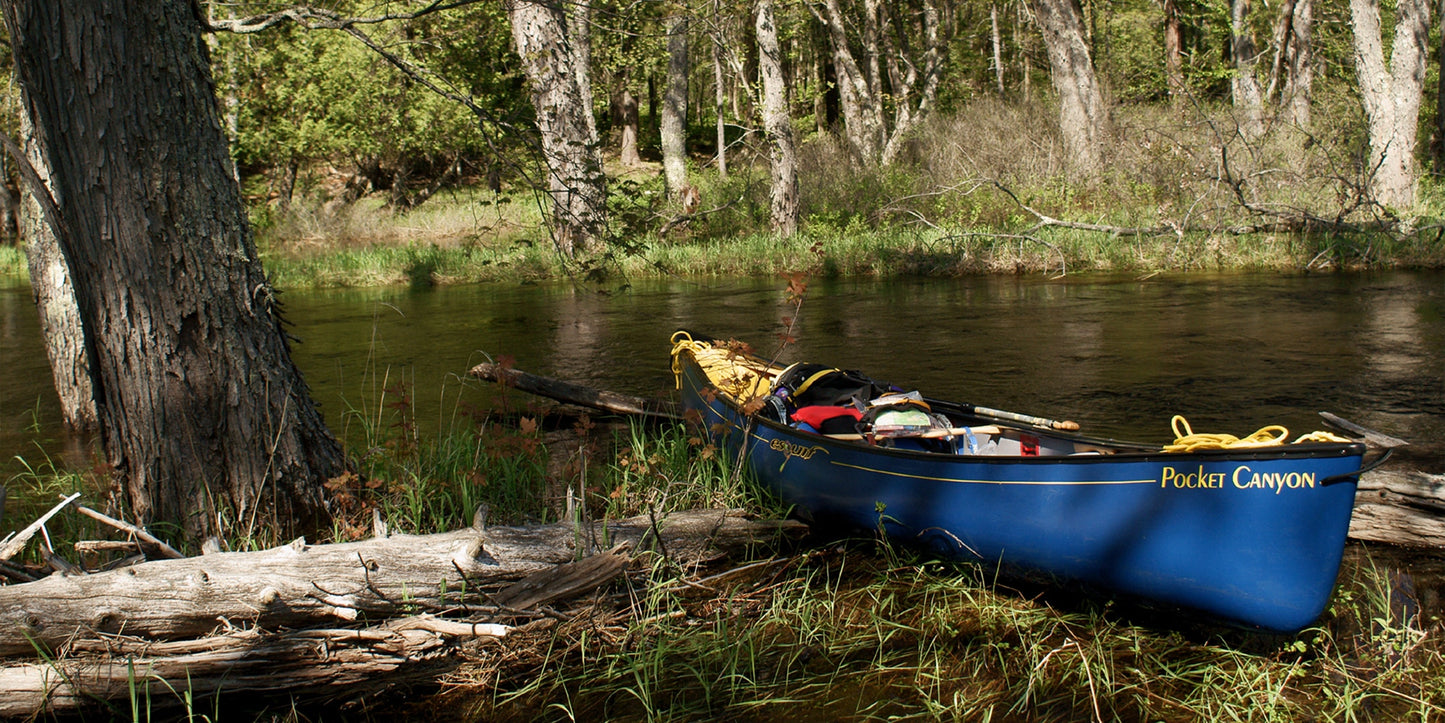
[1391, 94]
[1082, 117]
[203, 414]
[777, 123]
[555, 49]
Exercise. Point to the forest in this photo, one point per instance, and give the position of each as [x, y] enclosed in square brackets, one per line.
[1189, 119]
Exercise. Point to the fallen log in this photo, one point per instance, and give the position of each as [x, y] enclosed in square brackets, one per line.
[300, 585]
[326, 664]
[1401, 508]
[576, 393]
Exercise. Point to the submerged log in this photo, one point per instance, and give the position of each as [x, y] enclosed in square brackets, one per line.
[299, 585]
[575, 393]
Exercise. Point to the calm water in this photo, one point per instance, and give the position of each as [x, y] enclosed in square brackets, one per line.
[1119, 355]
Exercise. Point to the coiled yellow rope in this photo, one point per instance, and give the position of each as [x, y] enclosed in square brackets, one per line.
[729, 372]
[1186, 440]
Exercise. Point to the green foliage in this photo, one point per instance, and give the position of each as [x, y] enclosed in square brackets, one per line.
[309, 97]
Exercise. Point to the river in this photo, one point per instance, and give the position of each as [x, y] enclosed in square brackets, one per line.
[1118, 354]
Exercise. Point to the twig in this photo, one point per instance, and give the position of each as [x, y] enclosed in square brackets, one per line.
[141, 534]
[17, 543]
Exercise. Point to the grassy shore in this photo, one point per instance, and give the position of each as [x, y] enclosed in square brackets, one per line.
[835, 630]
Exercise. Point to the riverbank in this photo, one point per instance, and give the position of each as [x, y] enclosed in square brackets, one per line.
[444, 260]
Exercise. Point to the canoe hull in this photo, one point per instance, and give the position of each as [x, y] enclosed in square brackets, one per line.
[1252, 537]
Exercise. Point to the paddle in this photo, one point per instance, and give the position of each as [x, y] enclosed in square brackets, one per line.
[931, 434]
[1045, 423]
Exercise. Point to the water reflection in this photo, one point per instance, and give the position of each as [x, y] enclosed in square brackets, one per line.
[1120, 355]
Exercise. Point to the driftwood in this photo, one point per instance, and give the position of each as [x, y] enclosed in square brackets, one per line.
[1401, 508]
[299, 585]
[277, 620]
[325, 663]
[575, 393]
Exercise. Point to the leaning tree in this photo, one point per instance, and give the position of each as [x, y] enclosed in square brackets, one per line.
[205, 419]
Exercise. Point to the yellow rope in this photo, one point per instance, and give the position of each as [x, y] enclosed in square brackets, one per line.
[729, 372]
[1186, 440]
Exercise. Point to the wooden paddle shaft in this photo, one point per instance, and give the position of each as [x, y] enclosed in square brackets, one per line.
[931, 434]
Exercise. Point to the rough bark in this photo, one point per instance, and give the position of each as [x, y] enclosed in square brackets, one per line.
[554, 49]
[1391, 94]
[777, 124]
[1082, 117]
[674, 108]
[50, 286]
[202, 412]
[1244, 87]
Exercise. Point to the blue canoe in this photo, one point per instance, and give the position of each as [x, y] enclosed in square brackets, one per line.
[1250, 536]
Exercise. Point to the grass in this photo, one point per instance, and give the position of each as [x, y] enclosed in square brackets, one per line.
[855, 630]
[835, 635]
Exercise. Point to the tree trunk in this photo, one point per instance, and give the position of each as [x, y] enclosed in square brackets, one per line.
[1173, 53]
[720, 103]
[1082, 118]
[55, 300]
[205, 418]
[1391, 95]
[554, 50]
[777, 124]
[1292, 62]
[862, 116]
[996, 43]
[674, 108]
[1245, 87]
[627, 121]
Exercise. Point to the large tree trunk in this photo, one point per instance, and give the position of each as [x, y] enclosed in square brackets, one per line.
[554, 51]
[674, 107]
[1391, 95]
[777, 123]
[1082, 118]
[55, 300]
[1244, 87]
[204, 417]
